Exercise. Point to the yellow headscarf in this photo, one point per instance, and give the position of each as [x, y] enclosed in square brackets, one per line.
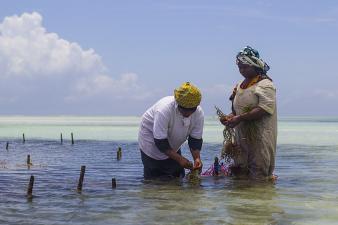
[187, 95]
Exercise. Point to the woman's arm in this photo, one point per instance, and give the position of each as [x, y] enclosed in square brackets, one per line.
[197, 158]
[255, 114]
[185, 163]
[224, 119]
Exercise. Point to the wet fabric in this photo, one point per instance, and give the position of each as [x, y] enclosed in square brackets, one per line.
[257, 156]
[167, 168]
[195, 144]
[223, 171]
[162, 144]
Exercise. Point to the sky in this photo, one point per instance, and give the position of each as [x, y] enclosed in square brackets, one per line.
[118, 57]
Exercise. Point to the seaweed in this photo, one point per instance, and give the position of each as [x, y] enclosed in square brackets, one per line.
[194, 176]
[230, 149]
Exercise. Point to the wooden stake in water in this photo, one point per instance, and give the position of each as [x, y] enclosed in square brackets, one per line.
[29, 160]
[113, 183]
[72, 138]
[30, 187]
[7, 146]
[119, 153]
[61, 138]
[23, 138]
[82, 173]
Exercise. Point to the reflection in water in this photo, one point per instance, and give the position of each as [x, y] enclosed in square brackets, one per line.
[254, 202]
[216, 201]
[176, 202]
[305, 193]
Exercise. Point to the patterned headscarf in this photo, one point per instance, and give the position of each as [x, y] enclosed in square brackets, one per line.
[250, 56]
[187, 95]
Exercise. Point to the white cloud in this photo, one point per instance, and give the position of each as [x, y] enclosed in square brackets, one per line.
[27, 49]
[37, 62]
[126, 87]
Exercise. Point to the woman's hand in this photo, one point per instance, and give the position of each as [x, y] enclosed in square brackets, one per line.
[185, 163]
[198, 164]
[224, 119]
[234, 121]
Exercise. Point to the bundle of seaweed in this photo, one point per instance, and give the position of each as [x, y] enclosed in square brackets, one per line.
[194, 176]
[229, 150]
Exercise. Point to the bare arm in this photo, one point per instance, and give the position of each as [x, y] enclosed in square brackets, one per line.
[178, 158]
[254, 114]
[164, 146]
[197, 158]
[195, 154]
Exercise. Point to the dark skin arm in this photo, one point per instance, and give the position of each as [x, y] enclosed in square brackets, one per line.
[254, 114]
[185, 163]
[197, 159]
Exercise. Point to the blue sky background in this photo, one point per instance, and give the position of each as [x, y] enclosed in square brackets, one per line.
[119, 57]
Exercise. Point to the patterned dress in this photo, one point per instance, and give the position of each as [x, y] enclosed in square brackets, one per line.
[257, 139]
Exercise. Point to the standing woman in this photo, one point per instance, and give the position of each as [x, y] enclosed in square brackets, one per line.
[254, 117]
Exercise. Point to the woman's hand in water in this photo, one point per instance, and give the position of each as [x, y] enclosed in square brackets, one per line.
[185, 163]
[198, 164]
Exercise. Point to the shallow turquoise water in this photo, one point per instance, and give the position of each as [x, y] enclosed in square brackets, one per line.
[291, 130]
[305, 193]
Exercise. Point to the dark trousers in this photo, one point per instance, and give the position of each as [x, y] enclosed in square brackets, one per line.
[167, 168]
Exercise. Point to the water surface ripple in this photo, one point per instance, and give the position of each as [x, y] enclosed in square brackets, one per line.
[305, 193]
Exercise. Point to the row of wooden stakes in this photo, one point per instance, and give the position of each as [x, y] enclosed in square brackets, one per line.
[79, 185]
[61, 139]
[83, 168]
[119, 150]
[118, 156]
